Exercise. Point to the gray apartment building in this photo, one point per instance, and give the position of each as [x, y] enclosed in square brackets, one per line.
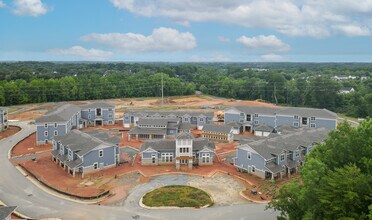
[3, 118]
[195, 119]
[252, 116]
[278, 156]
[183, 150]
[80, 153]
[98, 113]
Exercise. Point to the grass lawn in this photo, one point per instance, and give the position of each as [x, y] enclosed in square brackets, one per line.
[179, 196]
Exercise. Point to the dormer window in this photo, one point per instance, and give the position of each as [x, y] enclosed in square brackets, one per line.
[256, 115]
[295, 117]
[55, 125]
[313, 118]
[297, 153]
[282, 157]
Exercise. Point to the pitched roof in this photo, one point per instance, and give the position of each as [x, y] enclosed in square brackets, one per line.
[234, 124]
[225, 129]
[137, 130]
[286, 128]
[158, 121]
[81, 143]
[5, 211]
[168, 113]
[170, 145]
[184, 135]
[274, 146]
[99, 104]
[256, 109]
[61, 113]
[264, 128]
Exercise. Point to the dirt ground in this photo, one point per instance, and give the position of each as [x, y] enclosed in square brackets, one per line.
[28, 146]
[9, 132]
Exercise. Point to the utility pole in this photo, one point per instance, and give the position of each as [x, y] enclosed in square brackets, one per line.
[276, 100]
[162, 89]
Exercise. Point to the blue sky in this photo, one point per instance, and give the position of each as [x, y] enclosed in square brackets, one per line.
[186, 31]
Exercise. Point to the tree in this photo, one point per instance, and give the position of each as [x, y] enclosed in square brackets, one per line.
[335, 181]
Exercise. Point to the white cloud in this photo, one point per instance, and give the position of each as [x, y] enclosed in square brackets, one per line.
[161, 40]
[83, 53]
[2, 4]
[29, 8]
[262, 42]
[272, 58]
[223, 39]
[313, 18]
[213, 58]
[353, 30]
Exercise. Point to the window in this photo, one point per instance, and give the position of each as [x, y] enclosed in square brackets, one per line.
[55, 125]
[100, 153]
[295, 117]
[256, 115]
[187, 119]
[249, 155]
[295, 124]
[153, 158]
[241, 120]
[95, 166]
[110, 109]
[110, 116]
[88, 110]
[45, 125]
[249, 118]
[89, 117]
[297, 153]
[282, 157]
[313, 118]
[256, 122]
[241, 114]
[253, 169]
[312, 125]
[46, 134]
[201, 119]
[55, 133]
[70, 153]
[304, 121]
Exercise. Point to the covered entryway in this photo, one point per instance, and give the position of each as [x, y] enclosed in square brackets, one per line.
[99, 122]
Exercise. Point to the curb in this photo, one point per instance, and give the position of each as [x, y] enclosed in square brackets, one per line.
[252, 200]
[18, 214]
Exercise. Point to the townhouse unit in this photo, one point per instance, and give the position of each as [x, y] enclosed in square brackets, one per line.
[279, 156]
[263, 130]
[3, 118]
[98, 113]
[57, 122]
[80, 153]
[196, 119]
[252, 116]
[220, 133]
[183, 150]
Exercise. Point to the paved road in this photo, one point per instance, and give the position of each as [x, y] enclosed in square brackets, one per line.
[15, 189]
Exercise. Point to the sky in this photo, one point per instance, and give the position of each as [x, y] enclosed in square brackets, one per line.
[186, 31]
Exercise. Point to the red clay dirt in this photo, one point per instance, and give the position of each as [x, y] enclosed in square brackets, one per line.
[9, 132]
[28, 146]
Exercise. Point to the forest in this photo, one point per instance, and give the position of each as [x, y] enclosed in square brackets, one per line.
[291, 84]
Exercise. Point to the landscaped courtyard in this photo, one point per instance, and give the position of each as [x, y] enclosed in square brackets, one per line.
[177, 196]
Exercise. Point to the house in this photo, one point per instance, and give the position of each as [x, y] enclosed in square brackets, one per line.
[6, 212]
[252, 116]
[98, 113]
[79, 152]
[3, 119]
[57, 122]
[272, 158]
[263, 130]
[183, 150]
[346, 90]
[237, 127]
[197, 119]
[220, 133]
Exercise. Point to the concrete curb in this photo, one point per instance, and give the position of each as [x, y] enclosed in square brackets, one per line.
[16, 212]
[252, 200]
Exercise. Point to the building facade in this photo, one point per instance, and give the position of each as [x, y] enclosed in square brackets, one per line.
[79, 152]
[98, 113]
[273, 158]
[183, 150]
[196, 119]
[219, 133]
[3, 119]
[253, 116]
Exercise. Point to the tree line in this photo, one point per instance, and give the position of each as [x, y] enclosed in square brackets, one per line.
[308, 85]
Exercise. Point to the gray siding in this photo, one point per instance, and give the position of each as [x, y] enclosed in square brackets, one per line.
[263, 119]
[231, 117]
[109, 155]
[323, 123]
[40, 131]
[285, 120]
[243, 162]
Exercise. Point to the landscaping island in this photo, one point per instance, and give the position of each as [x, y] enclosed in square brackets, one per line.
[177, 196]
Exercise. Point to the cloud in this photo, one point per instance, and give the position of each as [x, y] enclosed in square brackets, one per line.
[272, 58]
[213, 58]
[161, 40]
[2, 4]
[313, 18]
[262, 42]
[353, 30]
[223, 39]
[29, 8]
[83, 53]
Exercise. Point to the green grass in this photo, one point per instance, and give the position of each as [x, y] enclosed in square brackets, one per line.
[347, 117]
[179, 196]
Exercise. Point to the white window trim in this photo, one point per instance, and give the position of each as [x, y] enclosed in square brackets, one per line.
[46, 133]
[281, 157]
[296, 117]
[55, 133]
[95, 165]
[89, 116]
[45, 125]
[55, 125]
[249, 155]
[99, 153]
[311, 125]
[296, 124]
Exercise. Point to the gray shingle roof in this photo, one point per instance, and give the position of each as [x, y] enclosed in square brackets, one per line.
[61, 113]
[264, 128]
[303, 112]
[234, 124]
[224, 129]
[81, 142]
[156, 121]
[6, 211]
[98, 105]
[168, 113]
[290, 142]
[273, 167]
[286, 128]
[186, 126]
[137, 130]
[185, 135]
[170, 145]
